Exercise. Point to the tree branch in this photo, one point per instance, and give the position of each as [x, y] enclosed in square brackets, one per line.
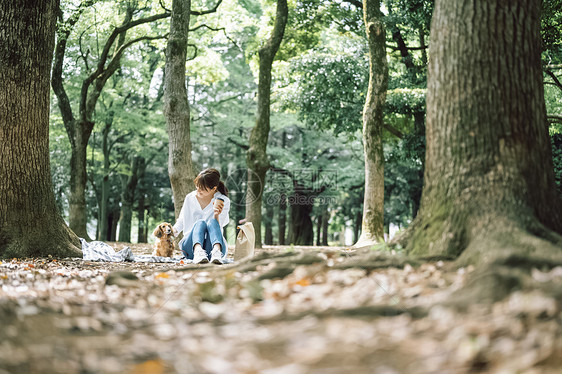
[357, 3]
[408, 48]
[64, 29]
[553, 118]
[84, 56]
[163, 7]
[206, 26]
[394, 131]
[101, 74]
[202, 12]
[215, 29]
[116, 32]
[236, 142]
[194, 53]
[554, 78]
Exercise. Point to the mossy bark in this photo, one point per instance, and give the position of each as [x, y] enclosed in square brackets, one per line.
[30, 224]
[489, 187]
[176, 106]
[373, 205]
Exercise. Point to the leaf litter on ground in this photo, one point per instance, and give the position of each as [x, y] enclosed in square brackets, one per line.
[301, 311]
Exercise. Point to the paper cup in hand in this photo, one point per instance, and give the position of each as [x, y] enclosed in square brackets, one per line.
[217, 202]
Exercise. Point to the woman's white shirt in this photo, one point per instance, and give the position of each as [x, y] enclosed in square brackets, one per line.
[191, 212]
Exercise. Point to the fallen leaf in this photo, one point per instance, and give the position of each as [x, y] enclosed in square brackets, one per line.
[148, 367]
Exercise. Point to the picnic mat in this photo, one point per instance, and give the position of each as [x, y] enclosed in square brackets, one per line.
[100, 251]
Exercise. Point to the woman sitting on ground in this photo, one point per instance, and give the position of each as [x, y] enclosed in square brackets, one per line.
[203, 216]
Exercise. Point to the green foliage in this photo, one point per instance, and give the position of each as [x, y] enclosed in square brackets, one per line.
[405, 100]
[318, 92]
[403, 182]
[328, 91]
[551, 29]
[59, 149]
[408, 22]
[414, 13]
[340, 16]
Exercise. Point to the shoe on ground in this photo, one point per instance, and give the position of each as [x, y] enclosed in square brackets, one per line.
[200, 256]
[216, 256]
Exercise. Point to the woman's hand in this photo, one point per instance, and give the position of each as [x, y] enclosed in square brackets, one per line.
[218, 205]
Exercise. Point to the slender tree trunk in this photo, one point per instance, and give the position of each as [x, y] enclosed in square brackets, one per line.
[282, 209]
[357, 222]
[256, 158]
[237, 190]
[105, 180]
[489, 188]
[282, 218]
[421, 35]
[146, 225]
[301, 223]
[77, 214]
[268, 223]
[112, 222]
[319, 229]
[30, 224]
[325, 224]
[128, 198]
[290, 237]
[176, 105]
[416, 189]
[373, 205]
[143, 164]
[141, 237]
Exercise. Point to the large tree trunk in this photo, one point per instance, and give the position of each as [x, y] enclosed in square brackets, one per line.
[373, 205]
[30, 224]
[302, 232]
[489, 188]
[256, 158]
[176, 106]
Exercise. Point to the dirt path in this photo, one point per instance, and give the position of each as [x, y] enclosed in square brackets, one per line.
[288, 310]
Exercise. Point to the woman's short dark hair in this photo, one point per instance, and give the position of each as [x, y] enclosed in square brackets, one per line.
[209, 179]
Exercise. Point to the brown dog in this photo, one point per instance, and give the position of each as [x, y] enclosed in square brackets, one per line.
[165, 245]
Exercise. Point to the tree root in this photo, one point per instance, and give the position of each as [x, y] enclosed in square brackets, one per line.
[371, 260]
[503, 265]
[55, 240]
[503, 250]
[367, 311]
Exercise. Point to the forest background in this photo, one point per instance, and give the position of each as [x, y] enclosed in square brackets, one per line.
[314, 190]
